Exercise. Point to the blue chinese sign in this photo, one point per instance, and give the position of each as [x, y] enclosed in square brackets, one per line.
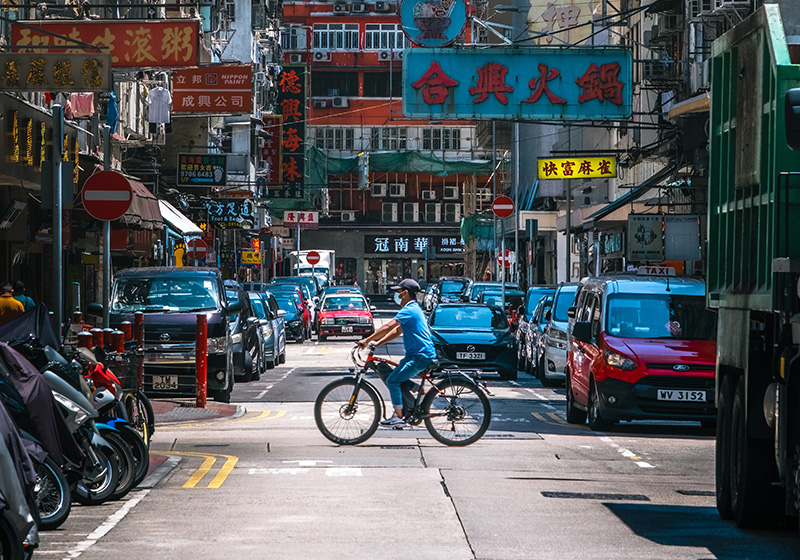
[518, 84]
[433, 23]
[225, 213]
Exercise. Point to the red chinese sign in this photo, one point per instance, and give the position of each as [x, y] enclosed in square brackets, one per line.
[292, 105]
[213, 89]
[132, 44]
[272, 150]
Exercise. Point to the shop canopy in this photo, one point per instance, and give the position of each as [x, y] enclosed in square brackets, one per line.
[144, 212]
[177, 222]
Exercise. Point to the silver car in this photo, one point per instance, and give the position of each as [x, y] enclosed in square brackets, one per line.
[534, 349]
[554, 341]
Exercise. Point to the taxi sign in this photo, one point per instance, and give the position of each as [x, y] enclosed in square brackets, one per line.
[655, 271]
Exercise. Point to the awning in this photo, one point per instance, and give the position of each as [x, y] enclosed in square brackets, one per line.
[697, 104]
[629, 197]
[177, 221]
[144, 212]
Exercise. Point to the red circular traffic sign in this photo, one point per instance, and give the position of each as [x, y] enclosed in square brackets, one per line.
[506, 259]
[196, 249]
[312, 257]
[107, 195]
[503, 207]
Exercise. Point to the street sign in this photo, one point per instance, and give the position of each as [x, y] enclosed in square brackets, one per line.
[503, 207]
[506, 259]
[106, 195]
[196, 249]
[312, 257]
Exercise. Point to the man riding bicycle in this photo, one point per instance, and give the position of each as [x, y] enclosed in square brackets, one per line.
[417, 341]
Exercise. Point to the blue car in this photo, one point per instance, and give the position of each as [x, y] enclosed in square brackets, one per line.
[293, 306]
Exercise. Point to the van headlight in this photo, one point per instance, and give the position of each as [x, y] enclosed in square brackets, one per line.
[619, 361]
[216, 345]
[236, 338]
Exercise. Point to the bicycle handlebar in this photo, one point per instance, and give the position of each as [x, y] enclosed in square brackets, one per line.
[355, 354]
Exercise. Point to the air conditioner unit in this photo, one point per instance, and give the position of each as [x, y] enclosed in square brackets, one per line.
[398, 55]
[381, 6]
[321, 103]
[379, 189]
[410, 212]
[655, 70]
[348, 216]
[452, 212]
[359, 8]
[450, 193]
[340, 102]
[428, 195]
[397, 190]
[340, 8]
[483, 194]
[384, 55]
[389, 212]
[295, 58]
[433, 213]
[322, 56]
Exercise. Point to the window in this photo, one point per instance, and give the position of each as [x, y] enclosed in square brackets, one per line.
[336, 36]
[441, 138]
[384, 37]
[376, 84]
[293, 38]
[330, 138]
[387, 138]
[334, 84]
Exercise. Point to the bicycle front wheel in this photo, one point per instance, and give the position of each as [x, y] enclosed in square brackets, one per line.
[456, 412]
[345, 415]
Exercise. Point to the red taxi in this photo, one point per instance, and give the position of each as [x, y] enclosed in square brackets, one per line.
[345, 315]
[641, 346]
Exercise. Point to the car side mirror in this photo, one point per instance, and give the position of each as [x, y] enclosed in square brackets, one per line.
[373, 308]
[263, 322]
[281, 313]
[95, 309]
[582, 331]
[316, 301]
[233, 308]
[572, 312]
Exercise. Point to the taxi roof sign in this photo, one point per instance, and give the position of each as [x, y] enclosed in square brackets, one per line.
[655, 271]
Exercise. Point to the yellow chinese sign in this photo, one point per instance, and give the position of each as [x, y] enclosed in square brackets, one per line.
[55, 72]
[251, 257]
[577, 168]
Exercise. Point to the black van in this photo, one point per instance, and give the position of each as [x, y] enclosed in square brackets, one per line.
[171, 298]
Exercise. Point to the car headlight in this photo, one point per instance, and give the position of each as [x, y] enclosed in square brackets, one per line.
[619, 361]
[557, 344]
[295, 323]
[328, 321]
[236, 338]
[216, 345]
[267, 329]
[364, 320]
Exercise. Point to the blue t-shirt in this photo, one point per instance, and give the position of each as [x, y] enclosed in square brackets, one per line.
[417, 339]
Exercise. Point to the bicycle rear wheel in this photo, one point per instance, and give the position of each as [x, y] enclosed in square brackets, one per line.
[457, 412]
[346, 420]
[139, 413]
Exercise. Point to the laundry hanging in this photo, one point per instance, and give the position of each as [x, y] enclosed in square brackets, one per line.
[159, 100]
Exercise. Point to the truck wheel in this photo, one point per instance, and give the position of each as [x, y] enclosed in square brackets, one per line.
[722, 454]
[754, 500]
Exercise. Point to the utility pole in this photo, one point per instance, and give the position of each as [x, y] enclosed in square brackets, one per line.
[493, 257]
[58, 265]
[516, 203]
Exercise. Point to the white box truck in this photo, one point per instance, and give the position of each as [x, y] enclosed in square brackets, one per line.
[326, 267]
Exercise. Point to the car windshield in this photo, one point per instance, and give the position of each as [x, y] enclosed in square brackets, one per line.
[339, 303]
[565, 298]
[534, 296]
[308, 281]
[258, 306]
[513, 301]
[288, 304]
[660, 316]
[165, 293]
[452, 288]
[469, 317]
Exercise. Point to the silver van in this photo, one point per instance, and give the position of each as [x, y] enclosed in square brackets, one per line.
[555, 336]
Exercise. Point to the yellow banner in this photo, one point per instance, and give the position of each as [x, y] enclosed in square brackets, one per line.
[251, 257]
[577, 168]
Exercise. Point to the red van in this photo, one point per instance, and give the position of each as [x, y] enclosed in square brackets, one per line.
[641, 346]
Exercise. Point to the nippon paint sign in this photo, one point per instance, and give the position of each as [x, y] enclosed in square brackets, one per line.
[518, 83]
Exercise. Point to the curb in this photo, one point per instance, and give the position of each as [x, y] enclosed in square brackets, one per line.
[155, 477]
[240, 411]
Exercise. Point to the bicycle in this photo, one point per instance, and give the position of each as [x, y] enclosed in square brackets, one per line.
[455, 409]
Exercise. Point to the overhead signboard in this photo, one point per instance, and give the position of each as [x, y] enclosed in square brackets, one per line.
[535, 83]
[413, 244]
[55, 72]
[225, 213]
[202, 170]
[645, 239]
[682, 237]
[213, 89]
[308, 220]
[251, 257]
[578, 167]
[132, 44]
[433, 23]
[292, 89]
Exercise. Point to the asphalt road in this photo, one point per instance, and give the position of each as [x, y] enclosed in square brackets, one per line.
[266, 484]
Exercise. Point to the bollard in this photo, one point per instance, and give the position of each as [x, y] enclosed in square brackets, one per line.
[97, 337]
[77, 318]
[118, 341]
[84, 339]
[107, 338]
[201, 352]
[127, 328]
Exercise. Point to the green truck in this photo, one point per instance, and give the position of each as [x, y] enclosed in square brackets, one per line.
[754, 265]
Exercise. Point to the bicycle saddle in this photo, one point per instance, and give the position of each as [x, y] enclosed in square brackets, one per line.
[431, 368]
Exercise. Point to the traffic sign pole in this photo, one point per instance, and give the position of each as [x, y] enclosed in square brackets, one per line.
[58, 265]
[106, 236]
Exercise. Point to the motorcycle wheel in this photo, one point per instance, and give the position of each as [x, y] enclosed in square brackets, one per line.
[96, 492]
[141, 455]
[53, 496]
[125, 461]
[11, 547]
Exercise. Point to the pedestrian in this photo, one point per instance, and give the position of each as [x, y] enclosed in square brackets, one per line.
[21, 296]
[9, 307]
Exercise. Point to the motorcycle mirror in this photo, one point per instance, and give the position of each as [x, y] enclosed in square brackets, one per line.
[95, 309]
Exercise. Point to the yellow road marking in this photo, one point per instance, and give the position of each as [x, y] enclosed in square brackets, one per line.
[223, 473]
[549, 417]
[200, 473]
[208, 463]
[555, 416]
[248, 417]
[539, 416]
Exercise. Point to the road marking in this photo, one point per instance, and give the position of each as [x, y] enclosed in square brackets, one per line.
[343, 471]
[292, 471]
[627, 453]
[110, 522]
[549, 417]
[318, 350]
[308, 463]
[209, 459]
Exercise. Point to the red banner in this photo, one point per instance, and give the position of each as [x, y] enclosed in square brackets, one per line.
[136, 44]
[213, 89]
[272, 152]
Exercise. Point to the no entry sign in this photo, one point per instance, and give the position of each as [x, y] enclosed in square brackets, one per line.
[312, 257]
[503, 207]
[506, 259]
[106, 195]
[196, 249]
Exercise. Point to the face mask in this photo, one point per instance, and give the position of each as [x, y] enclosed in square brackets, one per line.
[397, 299]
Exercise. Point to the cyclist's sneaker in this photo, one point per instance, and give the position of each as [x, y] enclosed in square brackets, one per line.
[394, 422]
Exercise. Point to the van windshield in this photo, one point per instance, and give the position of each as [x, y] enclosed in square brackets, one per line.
[566, 297]
[660, 316]
[165, 294]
